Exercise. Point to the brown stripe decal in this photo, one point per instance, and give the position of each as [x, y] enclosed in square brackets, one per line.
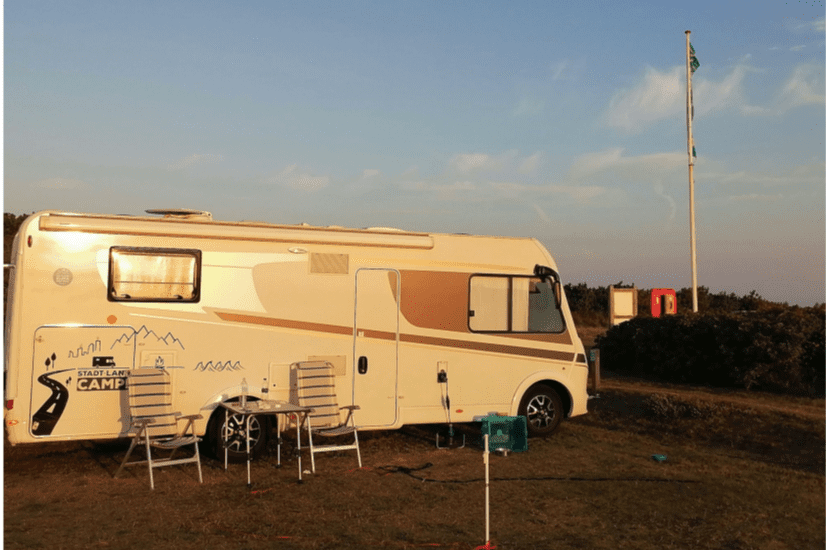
[285, 323]
[409, 338]
[484, 346]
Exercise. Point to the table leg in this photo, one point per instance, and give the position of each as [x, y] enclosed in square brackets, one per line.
[278, 432]
[298, 441]
[224, 436]
[310, 436]
[249, 479]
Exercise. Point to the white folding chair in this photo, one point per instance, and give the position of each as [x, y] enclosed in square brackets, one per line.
[155, 424]
[317, 390]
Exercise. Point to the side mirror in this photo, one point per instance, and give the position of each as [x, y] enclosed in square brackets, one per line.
[548, 274]
[544, 272]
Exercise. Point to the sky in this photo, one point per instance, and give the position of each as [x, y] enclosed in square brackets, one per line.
[560, 121]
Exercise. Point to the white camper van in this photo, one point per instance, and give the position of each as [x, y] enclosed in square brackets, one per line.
[420, 327]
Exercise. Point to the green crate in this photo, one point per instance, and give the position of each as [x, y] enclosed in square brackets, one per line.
[508, 433]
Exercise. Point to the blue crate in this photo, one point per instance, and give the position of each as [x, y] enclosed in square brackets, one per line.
[508, 433]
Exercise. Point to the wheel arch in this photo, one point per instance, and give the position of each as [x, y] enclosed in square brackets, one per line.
[526, 385]
[232, 393]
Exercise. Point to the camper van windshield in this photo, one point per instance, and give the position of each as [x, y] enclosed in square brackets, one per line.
[513, 304]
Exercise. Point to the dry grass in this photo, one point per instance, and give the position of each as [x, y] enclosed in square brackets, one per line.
[737, 476]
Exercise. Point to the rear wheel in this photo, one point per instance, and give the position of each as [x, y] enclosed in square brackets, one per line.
[236, 426]
[542, 407]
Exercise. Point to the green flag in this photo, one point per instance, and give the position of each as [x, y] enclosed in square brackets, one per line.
[695, 64]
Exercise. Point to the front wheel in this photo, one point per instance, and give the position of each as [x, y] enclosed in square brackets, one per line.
[542, 407]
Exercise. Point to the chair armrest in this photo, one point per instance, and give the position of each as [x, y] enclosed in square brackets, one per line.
[141, 422]
[350, 407]
[190, 422]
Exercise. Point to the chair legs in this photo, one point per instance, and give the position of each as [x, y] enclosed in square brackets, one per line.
[198, 462]
[329, 448]
[128, 453]
[149, 462]
[358, 452]
[158, 463]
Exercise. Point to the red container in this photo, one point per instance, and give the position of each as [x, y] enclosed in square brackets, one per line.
[663, 302]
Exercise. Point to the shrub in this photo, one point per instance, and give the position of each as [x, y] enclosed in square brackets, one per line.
[780, 349]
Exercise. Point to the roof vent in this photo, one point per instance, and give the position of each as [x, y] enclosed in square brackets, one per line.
[182, 213]
[385, 229]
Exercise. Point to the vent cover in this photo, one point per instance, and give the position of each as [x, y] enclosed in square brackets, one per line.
[330, 263]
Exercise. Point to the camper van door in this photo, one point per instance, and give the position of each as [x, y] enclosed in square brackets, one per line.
[376, 345]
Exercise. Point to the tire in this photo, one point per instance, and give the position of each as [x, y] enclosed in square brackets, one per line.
[542, 407]
[237, 443]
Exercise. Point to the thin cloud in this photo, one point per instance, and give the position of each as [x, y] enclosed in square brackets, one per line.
[508, 189]
[657, 96]
[798, 26]
[482, 177]
[755, 197]
[559, 69]
[567, 70]
[660, 190]
[660, 95]
[529, 106]
[292, 177]
[469, 162]
[477, 162]
[580, 193]
[530, 165]
[755, 110]
[541, 213]
[455, 189]
[726, 94]
[60, 184]
[804, 87]
[803, 175]
[655, 165]
[194, 160]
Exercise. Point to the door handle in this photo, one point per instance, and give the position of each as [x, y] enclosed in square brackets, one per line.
[362, 365]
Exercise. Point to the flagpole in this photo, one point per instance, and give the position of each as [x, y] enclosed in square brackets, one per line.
[688, 116]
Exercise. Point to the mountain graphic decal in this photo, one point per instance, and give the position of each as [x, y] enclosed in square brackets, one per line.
[144, 333]
[219, 366]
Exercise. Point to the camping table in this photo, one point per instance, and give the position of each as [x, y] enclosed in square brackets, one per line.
[259, 408]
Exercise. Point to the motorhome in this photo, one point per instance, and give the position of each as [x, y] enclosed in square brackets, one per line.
[419, 327]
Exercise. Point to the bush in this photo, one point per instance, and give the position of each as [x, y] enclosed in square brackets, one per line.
[779, 350]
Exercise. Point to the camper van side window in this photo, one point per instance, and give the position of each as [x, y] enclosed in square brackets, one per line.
[513, 304]
[154, 274]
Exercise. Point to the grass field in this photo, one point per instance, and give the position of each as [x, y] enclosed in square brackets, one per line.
[742, 471]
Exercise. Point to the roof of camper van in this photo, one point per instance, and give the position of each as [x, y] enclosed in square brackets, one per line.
[56, 220]
[187, 223]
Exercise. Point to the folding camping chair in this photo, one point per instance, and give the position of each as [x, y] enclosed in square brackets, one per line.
[154, 423]
[317, 390]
